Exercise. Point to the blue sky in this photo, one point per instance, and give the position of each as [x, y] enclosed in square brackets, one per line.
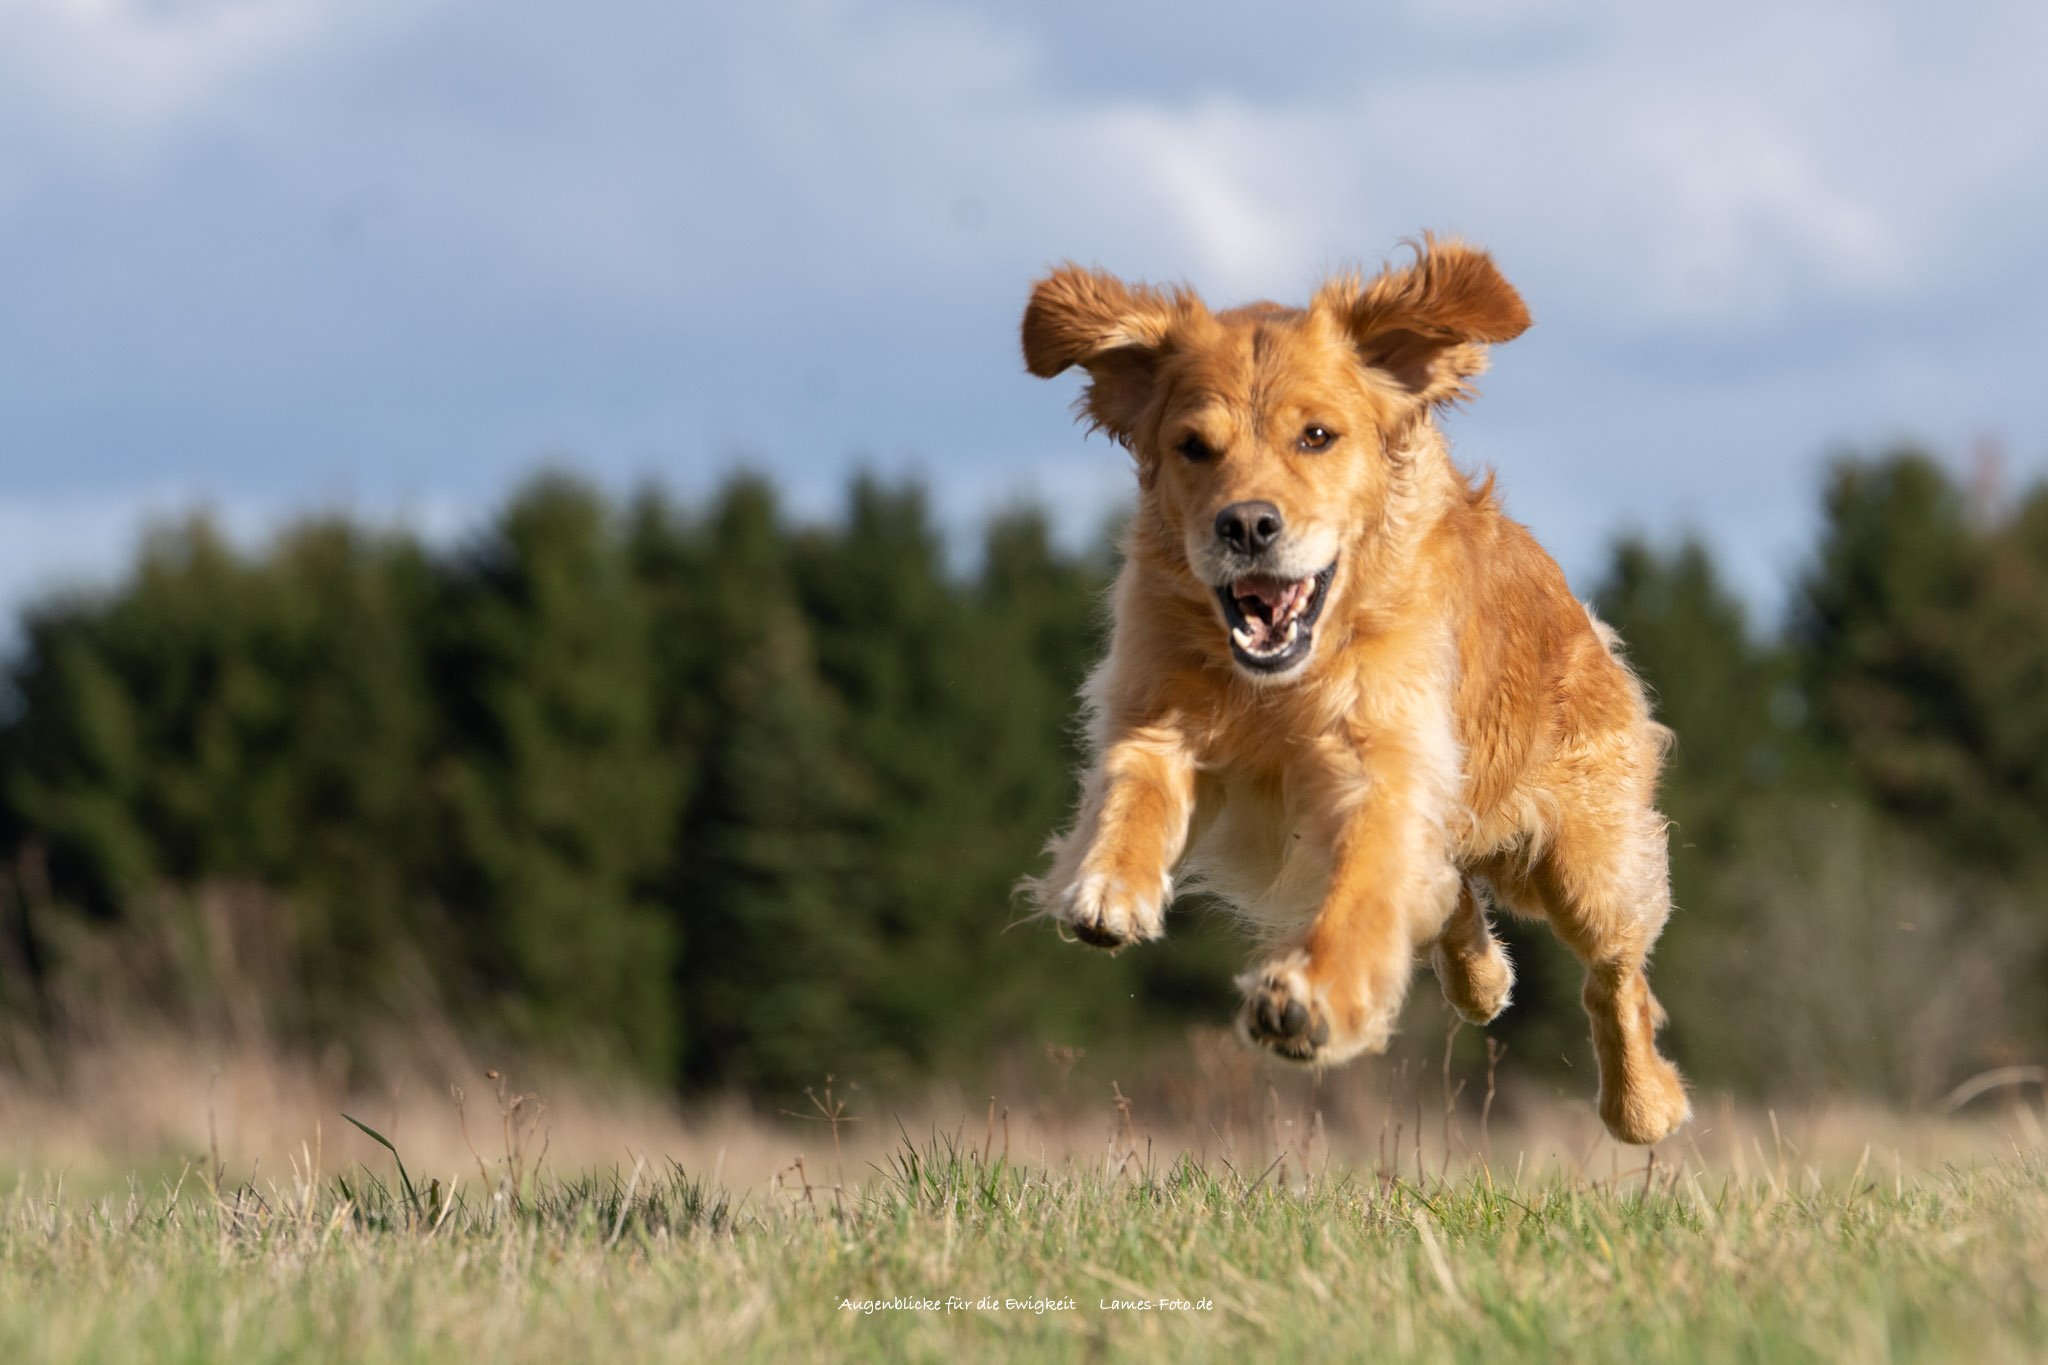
[274, 256]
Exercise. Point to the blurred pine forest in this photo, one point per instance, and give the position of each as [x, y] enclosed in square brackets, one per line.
[723, 801]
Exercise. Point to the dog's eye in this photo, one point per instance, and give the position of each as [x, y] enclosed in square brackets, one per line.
[1195, 449]
[1315, 436]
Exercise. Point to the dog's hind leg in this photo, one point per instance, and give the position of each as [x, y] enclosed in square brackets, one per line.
[1470, 964]
[1604, 886]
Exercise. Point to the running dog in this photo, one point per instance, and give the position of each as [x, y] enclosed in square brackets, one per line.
[1344, 693]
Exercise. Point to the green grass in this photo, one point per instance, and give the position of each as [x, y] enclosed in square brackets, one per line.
[1665, 1265]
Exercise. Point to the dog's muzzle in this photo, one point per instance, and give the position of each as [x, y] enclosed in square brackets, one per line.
[1273, 620]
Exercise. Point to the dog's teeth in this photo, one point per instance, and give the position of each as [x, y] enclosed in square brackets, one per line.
[1243, 637]
[1293, 628]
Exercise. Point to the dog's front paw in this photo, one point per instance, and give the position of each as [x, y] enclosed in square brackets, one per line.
[1108, 913]
[1286, 1011]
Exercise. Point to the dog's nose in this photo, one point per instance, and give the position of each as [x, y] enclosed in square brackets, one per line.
[1249, 527]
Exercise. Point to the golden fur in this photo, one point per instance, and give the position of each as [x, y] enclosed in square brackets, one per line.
[1441, 726]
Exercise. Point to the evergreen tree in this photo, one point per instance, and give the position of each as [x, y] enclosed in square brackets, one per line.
[1924, 639]
[558, 801]
[225, 718]
[764, 884]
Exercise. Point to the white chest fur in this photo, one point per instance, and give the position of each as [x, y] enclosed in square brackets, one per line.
[1262, 853]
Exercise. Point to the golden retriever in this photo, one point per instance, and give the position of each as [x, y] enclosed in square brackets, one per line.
[1344, 693]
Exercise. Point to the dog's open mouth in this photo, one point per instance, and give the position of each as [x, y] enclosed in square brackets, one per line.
[1273, 620]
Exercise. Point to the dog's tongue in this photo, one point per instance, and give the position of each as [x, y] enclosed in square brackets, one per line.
[1274, 594]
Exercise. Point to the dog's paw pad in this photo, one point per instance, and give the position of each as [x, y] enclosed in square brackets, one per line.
[1280, 1014]
[1096, 933]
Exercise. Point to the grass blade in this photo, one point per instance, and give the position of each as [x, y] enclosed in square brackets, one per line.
[412, 1198]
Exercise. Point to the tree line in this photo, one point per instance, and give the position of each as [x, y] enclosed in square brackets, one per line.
[728, 800]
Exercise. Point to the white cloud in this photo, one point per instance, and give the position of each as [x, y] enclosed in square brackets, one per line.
[1673, 172]
[1742, 217]
[1219, 197]
[126, 68]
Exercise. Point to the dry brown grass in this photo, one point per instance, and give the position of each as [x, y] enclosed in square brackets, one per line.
[153, 1102]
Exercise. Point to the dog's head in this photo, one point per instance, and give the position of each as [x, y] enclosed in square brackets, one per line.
[1270, 440]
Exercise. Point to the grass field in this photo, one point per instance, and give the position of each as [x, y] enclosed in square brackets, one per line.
[944, 1252]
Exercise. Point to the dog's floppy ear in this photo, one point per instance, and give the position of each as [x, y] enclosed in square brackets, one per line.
[1428, 325]
[1111, 329]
